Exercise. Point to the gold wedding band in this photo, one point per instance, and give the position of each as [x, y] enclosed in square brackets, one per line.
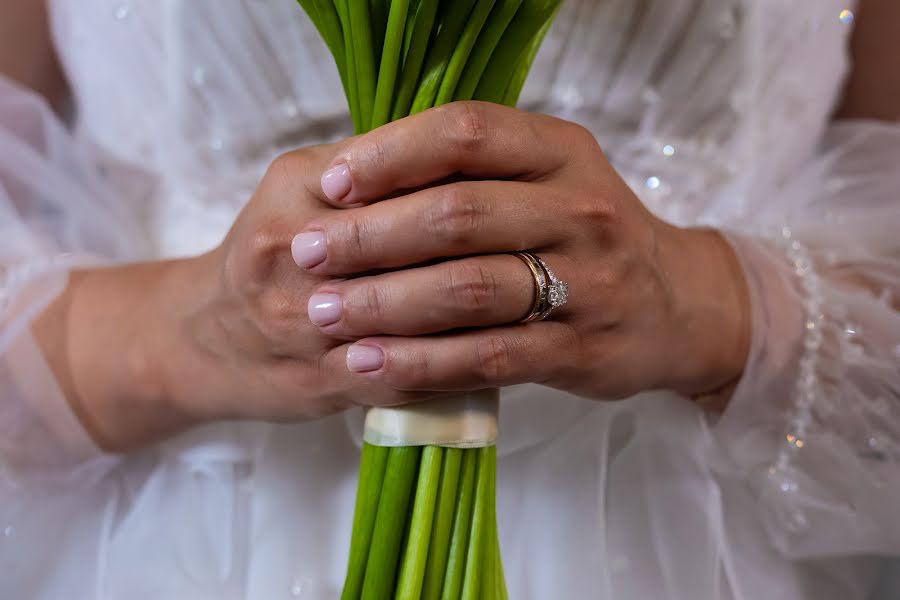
[540, 303]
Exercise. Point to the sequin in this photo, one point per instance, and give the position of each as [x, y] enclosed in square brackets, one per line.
[846, 17]
[198, 76]
[289, 108]
[653, 183]
[668, 150]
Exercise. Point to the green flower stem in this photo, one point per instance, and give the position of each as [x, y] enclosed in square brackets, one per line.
[371, 476]
[521, 70]
[379, 10]
[439, 549]
[493, 30]
[390, 63]
[479, 538]
[530, 18]
[363, 55]
[415, 57]
[343, 11]
[390, 522]
[411, 16]
[412, 570]
[455, 15]
[462, 520]
[463, 49]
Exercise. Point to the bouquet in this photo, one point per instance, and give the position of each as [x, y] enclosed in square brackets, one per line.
[425, 522]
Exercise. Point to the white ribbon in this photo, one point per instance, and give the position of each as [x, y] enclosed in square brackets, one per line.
[468, 420]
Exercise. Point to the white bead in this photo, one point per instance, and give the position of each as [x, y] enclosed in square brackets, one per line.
[198, 76]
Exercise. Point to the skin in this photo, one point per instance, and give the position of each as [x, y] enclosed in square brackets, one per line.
[144, 351]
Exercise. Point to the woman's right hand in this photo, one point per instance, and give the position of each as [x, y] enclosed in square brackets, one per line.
[144, 351]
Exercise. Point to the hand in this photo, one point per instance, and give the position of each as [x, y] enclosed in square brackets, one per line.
[651, 305]
[144, 351]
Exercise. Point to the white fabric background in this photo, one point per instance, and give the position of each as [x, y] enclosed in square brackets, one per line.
[715, 111]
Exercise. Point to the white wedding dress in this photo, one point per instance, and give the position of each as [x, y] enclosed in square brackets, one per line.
[716, 112]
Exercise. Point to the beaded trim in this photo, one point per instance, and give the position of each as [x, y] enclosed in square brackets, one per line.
[807, 388]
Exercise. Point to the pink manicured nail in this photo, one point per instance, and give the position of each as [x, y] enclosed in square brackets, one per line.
[336, 182]
[324, 309]
[362, 359]
[309, 249]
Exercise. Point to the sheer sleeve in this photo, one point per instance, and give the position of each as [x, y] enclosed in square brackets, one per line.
[56, 213]
[815, 422]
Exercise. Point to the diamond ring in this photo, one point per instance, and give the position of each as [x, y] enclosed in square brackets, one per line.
[550, 292]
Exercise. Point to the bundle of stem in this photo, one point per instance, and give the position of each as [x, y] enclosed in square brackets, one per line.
[400, 57]
[425, 525]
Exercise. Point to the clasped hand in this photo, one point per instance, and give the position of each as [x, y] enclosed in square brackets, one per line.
[379, 271]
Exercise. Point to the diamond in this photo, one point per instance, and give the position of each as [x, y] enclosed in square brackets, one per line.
[559, 294]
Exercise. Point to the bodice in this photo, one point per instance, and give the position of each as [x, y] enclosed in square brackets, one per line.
[691, 99]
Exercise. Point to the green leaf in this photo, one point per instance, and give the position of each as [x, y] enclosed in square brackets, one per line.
[531, 17]
[455, 14]
[343, 11]
[363, 55]
[523, 68]
[415, 56]
[464, 45]
[500, 18]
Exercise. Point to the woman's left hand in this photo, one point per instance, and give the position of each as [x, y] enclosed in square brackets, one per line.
[440, 200]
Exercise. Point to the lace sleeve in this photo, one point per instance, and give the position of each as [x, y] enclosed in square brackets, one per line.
[815, 421]
[55, 213]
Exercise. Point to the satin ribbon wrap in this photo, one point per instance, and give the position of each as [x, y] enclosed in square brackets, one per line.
[467, 420]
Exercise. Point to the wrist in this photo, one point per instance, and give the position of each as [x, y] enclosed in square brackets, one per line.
[107, 339]
[710, 326]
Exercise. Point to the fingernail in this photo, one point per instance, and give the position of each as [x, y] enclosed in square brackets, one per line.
[336, 182]
[324, 309]
[309, 249]
[362, 359]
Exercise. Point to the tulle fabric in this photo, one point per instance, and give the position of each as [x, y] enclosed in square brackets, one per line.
[715, 112]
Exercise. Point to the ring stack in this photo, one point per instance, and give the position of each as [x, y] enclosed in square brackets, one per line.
[550, 292]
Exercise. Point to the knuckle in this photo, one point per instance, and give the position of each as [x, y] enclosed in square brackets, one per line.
[278, 312]
[373, 152]
[457, 216]
[375, 300]
[261, 250]
[286, 166]
[471, 287]
[494, 356]
[580, 134]
[468, 125]
[353, 242]
[412, 373]
[598, 211]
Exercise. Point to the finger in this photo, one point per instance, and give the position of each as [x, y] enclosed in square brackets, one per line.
[457, 219]
[474, 139]
[494, 357]
[472, 292]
